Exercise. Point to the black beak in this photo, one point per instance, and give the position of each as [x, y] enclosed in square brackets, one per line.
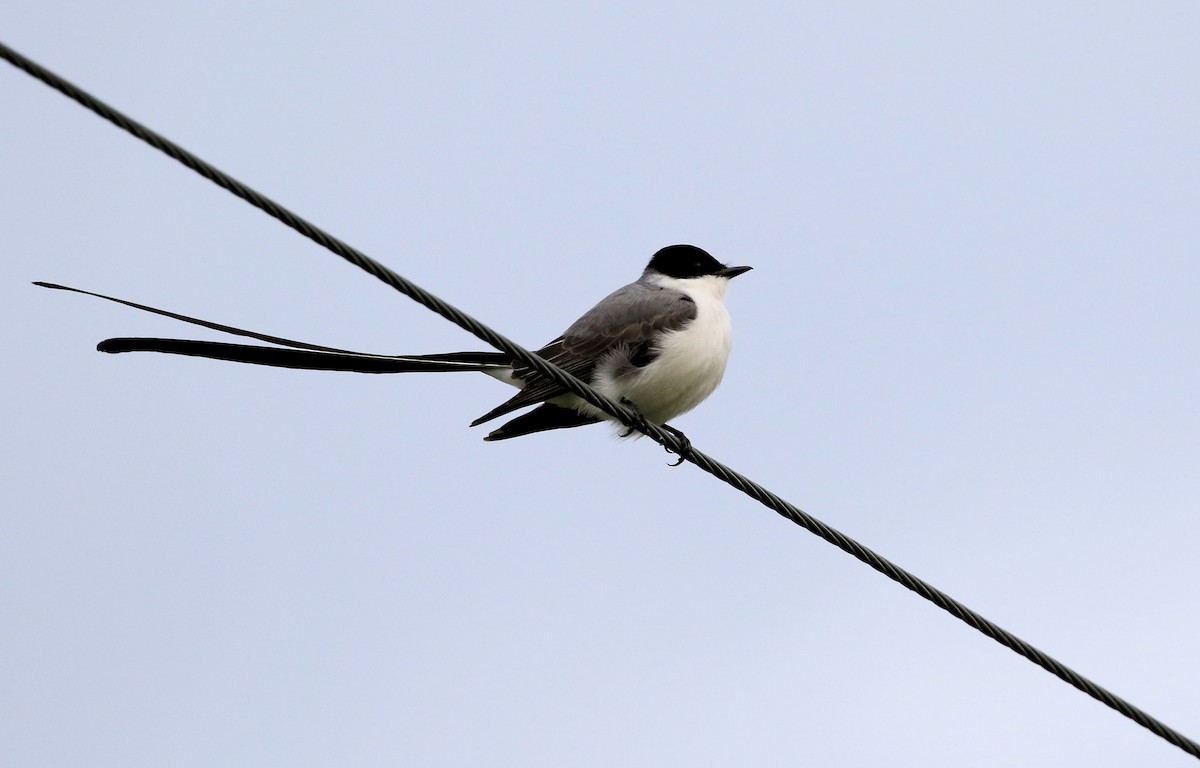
[733, 271]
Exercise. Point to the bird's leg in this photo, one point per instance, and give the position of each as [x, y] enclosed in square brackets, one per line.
[638, 419]
[684, 443]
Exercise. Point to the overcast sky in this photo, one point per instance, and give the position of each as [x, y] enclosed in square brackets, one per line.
[969, 341]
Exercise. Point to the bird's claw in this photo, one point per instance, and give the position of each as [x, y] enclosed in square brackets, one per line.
[640, 424]
[639, 421]
[685, 445]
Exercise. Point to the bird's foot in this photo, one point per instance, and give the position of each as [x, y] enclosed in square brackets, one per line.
[640, 424]
[685, 445]
[639, 421]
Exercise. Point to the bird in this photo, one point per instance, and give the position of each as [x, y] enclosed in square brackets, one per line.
[658, 345]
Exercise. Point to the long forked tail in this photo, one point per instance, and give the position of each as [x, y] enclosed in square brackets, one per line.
[291, 354]
[308, 359]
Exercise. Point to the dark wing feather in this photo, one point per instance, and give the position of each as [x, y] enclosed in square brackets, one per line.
[642, 313]
[540, 419]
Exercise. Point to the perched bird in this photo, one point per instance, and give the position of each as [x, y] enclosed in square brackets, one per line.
[658, 345]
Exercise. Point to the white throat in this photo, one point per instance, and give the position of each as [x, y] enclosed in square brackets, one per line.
[709, 286]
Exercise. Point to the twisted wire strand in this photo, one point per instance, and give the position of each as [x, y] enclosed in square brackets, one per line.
[625, 415]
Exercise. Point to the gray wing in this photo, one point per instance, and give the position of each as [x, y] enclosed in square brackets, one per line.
[625, 322]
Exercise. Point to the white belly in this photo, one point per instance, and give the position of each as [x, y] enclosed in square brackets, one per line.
[690, 364]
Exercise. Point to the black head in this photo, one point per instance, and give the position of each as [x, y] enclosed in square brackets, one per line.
[684, 261]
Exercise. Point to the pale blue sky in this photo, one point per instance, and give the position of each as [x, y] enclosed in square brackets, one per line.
[970, 341]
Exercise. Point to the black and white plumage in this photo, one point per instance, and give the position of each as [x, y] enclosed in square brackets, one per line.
[660, 344]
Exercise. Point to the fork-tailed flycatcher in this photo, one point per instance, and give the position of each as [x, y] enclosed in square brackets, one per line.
[658, 345]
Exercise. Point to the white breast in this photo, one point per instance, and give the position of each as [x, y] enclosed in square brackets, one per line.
[691, 361]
